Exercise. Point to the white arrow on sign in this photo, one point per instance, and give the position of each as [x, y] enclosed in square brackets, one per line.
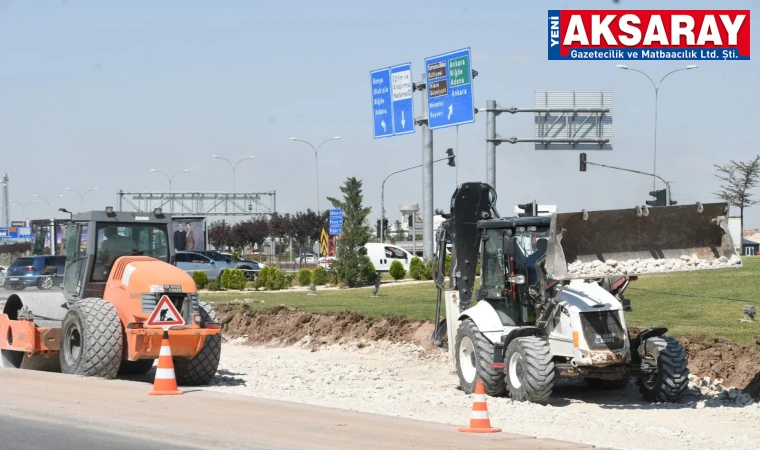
[382, 124]
[403, 122]
[451, 111]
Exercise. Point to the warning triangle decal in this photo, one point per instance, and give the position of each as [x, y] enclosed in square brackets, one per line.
[165, 314]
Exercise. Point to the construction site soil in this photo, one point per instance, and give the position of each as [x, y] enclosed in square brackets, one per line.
[709, 356]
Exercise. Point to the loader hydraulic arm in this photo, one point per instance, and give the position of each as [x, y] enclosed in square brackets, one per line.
[470, 203]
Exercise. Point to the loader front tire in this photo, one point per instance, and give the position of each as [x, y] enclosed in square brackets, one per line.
[671, 381]
[201, 369]
[91, 339]
[530, 370]
[474, 356]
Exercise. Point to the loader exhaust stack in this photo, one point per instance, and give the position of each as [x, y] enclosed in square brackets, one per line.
[640, 241]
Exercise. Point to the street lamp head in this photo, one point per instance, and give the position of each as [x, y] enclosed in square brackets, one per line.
[251, 157]
[69, 189]
[621, 66]
[336, 137]
[186, 170]
[153, 170]
[691, 66]
[215, 156]
[94, 189]
[293, 139]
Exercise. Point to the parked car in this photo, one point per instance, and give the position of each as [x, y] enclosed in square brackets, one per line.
[213, 262]
[307, 258]
[43, 271]
[325, 261]
[194, 261]
[382, 255]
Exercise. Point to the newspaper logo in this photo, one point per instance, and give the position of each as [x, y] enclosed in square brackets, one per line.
[649, 35]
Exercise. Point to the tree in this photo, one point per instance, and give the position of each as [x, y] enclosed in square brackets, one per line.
[738, 179]
[438, 212]
[399, 231]
[220, 234]
[281, 226]
[351, 250]
[251, 232]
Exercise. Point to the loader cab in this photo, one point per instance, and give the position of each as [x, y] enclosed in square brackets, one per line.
[510, 250]
[95, 240]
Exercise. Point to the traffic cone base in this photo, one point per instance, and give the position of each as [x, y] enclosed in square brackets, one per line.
[479, 421]
[166, 381]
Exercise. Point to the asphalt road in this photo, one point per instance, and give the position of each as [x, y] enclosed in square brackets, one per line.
[21, 433]
[203, 419]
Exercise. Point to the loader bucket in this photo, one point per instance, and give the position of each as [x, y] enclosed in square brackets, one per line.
[640, 241]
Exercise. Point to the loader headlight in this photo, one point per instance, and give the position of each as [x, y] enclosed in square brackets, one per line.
[517, 279]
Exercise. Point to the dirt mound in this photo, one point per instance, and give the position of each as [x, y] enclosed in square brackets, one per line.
[708, 357]
[286, 326]
[720, 358]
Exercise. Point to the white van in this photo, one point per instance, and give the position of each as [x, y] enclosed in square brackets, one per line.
[382, 255]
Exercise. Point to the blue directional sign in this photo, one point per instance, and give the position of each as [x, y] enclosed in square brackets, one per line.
[392, 103]
[336, 222]
[15, 232]
[449, 89]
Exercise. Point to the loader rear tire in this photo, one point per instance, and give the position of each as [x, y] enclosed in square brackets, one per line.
[201, 369]
[529, 369]
[474, 355]
[91, 339]
[671, 381]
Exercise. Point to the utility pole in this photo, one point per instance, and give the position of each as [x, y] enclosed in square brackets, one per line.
[449, 158]
[427, 174]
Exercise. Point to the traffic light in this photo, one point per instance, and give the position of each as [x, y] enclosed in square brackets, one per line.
[451, 155]
[659, 196]
[528, 208]
[385, 227]
[583, 162]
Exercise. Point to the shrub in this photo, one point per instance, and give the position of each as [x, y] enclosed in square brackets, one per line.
[397, 270]
[427, 270]
[417, 268]
[332, 275]
[200, 278]
[224, 278]
[261, 280]
[214, 285]
[304, 277]
[367, 269]
[235, 279]
[289, 279]
[275, 279]
[319, 276]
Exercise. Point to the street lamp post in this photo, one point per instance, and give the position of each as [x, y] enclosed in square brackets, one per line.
[656, 97]
[46, 200]
[81, 195]
[234, 167]
[316, 160]
[382, 195]
[171, 179]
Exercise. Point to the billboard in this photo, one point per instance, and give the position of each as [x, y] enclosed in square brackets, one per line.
[189, 233]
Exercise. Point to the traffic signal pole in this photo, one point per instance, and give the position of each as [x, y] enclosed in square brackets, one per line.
[382, 191]
[667, 183]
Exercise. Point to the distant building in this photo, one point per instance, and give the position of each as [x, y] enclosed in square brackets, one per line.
[750, 248]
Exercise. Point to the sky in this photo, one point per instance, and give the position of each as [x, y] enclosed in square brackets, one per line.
[95, 94]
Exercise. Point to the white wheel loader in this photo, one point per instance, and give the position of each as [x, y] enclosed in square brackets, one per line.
[550, 302]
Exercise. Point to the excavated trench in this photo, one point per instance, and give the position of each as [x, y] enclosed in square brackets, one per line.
[712, 357]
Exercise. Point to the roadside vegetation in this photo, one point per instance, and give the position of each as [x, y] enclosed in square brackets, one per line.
[691, 304]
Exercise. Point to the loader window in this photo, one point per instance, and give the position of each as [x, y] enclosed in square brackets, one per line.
[532, 242]
[493, 267]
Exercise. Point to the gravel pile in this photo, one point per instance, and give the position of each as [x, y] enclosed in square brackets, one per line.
[612, 267]
[405, 380]
[713, 393]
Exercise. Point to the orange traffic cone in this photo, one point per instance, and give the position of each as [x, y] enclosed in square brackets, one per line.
[165, 382]
[479, 421]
